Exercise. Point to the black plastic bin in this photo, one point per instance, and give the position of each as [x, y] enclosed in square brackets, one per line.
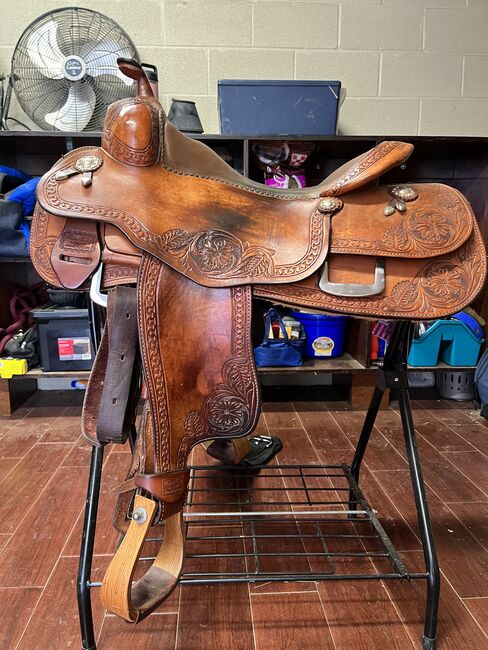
[64, 338]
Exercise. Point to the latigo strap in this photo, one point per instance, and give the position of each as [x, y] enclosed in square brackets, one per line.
[113, 390]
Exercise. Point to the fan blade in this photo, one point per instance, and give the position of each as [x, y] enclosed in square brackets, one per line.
[43, 50]
[109, 89]
[101, 58]
[77, 111]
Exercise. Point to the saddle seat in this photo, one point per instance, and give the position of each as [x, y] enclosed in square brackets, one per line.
[188, 156]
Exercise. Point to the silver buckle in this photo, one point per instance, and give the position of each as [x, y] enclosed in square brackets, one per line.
[96, 282]
[355, 290]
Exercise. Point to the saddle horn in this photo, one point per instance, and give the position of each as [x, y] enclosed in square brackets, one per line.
[131, 133]
[132, 69]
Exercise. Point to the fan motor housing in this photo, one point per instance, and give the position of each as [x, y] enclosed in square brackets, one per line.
[74, 67]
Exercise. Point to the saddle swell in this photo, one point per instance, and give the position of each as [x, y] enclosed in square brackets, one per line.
[183, 242]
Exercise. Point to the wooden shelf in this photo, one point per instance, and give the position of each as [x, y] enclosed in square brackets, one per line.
[343, 364]
[57, 374]
[440, 366]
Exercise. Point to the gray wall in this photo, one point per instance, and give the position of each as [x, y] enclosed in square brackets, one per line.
[408, 66]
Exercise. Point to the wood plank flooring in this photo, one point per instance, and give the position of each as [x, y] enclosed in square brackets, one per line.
[43, 472]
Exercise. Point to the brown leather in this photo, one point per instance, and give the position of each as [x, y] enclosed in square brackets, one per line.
[133, 601]
[208, 388]
[201, 392]
[229, 452]
[185, 156]
[121, 376]
[168, 487]
[416, 289]
[436, 223]
[195, 236]
[76, 252]
[133, 70]
[234, 236]
[433, 227]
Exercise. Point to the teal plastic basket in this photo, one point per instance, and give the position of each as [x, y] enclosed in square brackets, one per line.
[447, 340]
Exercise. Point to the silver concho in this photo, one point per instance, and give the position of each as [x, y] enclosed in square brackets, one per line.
[88, 163]
[400, 194]
[85, 166]
[329, 205]
[403, 192]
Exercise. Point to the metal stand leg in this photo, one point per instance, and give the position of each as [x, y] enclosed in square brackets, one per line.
[90, 520]
[394, 376]
[390, 361]
[430, 556]
[86, 551]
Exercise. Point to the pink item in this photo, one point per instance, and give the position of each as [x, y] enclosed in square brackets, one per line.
[275, 177]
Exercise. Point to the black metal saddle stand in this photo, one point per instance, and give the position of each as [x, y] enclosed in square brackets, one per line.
[392, 376]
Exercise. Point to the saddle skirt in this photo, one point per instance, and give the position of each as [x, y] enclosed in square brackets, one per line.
[155, 209]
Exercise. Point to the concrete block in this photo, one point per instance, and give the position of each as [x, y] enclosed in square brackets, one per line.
[464, 116]
[380, 27]
[378, 116]
[475, 76]
[249, 64]
[358, 71]
[425, 3]
[213, 22]
[180, 70]
[301, 24]
[457, 30]
[421, 74]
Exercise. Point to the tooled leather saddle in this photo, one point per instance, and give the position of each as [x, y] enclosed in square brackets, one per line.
[183, 242]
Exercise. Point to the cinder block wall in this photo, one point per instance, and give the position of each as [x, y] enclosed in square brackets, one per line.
[408, 66]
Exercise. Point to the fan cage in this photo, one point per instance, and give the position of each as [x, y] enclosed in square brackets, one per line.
[39, 95]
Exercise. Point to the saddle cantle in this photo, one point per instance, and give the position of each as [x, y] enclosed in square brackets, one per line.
[153, 208]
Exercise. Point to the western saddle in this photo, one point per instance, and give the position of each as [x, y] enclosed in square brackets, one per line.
[179, 238]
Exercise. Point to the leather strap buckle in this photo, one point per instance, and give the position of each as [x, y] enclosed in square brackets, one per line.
[76, 253]
[168, 487]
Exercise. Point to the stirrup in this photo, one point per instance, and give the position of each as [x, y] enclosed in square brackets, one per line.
[355, 290]
[96, 294]
[134, 601]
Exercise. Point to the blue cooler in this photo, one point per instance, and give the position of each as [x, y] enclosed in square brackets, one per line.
[325, 334]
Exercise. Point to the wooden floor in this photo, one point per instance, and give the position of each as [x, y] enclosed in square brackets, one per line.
[41, 515]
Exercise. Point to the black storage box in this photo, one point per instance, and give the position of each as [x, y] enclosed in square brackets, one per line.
[64, 338]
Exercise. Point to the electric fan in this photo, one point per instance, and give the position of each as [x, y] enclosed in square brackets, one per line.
[64, 69]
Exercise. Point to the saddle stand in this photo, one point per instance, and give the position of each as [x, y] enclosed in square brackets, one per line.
[361, 515]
